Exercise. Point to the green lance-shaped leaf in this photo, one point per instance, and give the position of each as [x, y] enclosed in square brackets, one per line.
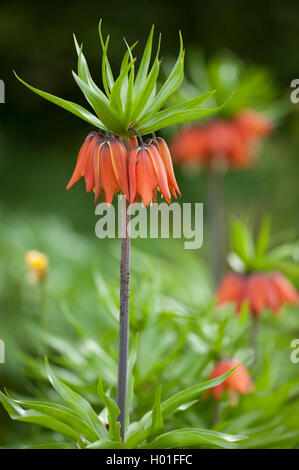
[193, 437]
[63, 414]
[241, 240]
[186, 106]
[104, 69]
[145, 92]
[157, 415]
[105, 444]
[107, 75]
[100, 104]
[139, 431]
[263, 239]
[17, 413]
[171, 84]
[131, 363]
[129, 96]
[113, 413]
[78, 403]
[53, 445]
[115, 98]
[84, 74]
[83, 70]
[125, 61]
[68, 105]
[144, 64]
[171, 118]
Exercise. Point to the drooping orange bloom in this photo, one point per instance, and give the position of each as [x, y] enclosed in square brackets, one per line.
[133, 142]
[102, 161]
[261, 291]
[237, 382]
[167, 160]
[228, 140]
[147, 174]
[252, 125]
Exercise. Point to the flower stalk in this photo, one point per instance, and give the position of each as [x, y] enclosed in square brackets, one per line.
[216, 219]
[110, 159]
[124, 320]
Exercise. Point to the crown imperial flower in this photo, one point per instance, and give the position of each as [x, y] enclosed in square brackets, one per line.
[103, 163]
[147, 174]
[238, 382]
[261, 291]
[230, 141]
[167, 160]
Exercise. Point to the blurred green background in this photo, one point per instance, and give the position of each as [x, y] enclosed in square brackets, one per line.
[38, 147]
[39, 142]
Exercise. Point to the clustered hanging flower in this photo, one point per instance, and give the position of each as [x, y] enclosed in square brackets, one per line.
[106, 166]
[129, 101]
[102, 161]
[231, 142]
[238, 382]
[260, 290]
[150, 169]
[38, 264]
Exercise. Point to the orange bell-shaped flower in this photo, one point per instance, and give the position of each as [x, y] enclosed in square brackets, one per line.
[103, 163]
[147, 174]
[238, 382]
[166, 157]
[261, 290]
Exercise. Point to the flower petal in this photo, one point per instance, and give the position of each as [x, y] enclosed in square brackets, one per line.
[120, 165]
[108, 179]
[160, 171]
[146, 179]
[166, 158]
[81, 160]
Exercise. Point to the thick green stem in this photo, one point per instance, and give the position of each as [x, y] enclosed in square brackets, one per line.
[123, 318]
[254, 338]
[216, 222]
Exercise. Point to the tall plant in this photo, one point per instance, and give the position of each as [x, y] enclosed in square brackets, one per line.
[114, 158]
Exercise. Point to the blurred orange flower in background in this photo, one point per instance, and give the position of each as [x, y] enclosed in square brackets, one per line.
[261, 291]
[231, 142]
[237, 382]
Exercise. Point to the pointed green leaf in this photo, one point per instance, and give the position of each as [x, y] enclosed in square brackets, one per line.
[144, 64]
[141, 99]
[106, 69]
[113, 413]
[193, 437]
[105, 444]
[68, 105]
[263, 240]
[185, 106]
[172, 118]
[17, 413]
[242, 241]
[172, 83]
[157, 417]
[63, 414]
[115, 97]
[78, 403]
[53, 445]
[100, 103]
[138, 432]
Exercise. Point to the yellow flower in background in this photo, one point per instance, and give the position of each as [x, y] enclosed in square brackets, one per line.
[38, 264]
